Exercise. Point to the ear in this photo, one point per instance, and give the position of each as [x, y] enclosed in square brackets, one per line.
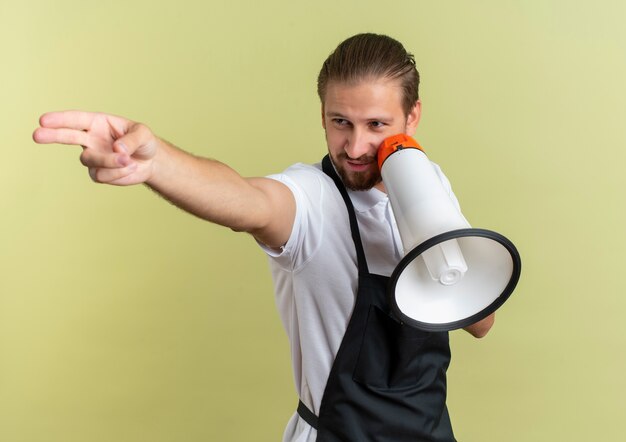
[413, 119]
[323, 120]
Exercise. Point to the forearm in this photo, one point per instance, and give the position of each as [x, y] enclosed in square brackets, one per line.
[482, 327]
[206, 188]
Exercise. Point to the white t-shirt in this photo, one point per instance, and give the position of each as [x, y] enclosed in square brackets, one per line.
[315, 274]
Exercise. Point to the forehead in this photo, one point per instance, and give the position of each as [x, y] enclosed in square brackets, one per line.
[372, 95]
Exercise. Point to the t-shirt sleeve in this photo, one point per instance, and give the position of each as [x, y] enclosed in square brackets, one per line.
[305, 183]
[446, 185]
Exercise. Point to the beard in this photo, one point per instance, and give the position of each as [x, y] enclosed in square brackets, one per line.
[364, 180]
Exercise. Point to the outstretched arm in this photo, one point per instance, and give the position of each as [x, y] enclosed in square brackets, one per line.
[121, 152]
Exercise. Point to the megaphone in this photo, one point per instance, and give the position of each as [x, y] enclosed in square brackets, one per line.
[451, 275]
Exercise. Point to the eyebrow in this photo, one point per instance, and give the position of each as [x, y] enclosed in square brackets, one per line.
[335, 114]
[339, 115]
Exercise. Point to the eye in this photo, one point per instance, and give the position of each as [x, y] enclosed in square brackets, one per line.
[340, 122]
[376, 124]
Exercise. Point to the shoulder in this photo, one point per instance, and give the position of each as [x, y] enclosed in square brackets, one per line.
[300, 173]
[317, 200]
[305, 181]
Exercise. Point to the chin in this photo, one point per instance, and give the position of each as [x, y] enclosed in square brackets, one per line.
[360, 180]
[357, 180]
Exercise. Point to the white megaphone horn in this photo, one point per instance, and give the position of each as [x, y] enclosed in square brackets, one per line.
[451, 275]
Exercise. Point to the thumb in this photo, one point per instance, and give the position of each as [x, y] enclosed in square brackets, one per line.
[139, 142]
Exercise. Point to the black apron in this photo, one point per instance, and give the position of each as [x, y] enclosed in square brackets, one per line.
[388, 380]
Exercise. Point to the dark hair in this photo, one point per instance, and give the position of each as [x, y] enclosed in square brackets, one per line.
[371, 56]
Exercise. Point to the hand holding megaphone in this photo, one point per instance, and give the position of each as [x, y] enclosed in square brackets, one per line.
[452, 275]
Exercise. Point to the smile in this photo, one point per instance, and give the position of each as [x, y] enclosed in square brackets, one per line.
[358, 166]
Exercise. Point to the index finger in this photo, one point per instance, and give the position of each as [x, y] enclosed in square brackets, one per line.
[67, 119]
[45, 135]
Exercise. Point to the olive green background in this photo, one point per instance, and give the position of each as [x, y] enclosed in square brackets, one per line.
[124, 319]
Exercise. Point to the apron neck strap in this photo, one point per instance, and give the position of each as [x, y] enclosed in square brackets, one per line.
[329, 170]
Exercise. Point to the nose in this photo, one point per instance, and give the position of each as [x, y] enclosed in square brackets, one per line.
[360, 144]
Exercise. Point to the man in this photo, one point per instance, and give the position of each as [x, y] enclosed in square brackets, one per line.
[332, 242]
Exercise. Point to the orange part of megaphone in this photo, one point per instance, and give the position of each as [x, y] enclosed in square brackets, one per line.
[393, 144]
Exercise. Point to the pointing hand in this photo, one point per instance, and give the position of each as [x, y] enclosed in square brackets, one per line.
[115, 150]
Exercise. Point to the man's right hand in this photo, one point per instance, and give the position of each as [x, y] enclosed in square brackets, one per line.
[115, 150]
[122, 152]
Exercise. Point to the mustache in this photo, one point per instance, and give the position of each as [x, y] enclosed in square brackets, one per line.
[362, 159]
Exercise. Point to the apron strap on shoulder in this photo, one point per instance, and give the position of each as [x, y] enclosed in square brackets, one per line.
[327, 167]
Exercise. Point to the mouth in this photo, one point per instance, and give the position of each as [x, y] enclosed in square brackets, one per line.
[359, 165]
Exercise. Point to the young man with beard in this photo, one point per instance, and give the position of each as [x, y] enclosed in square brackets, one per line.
[331, 239]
